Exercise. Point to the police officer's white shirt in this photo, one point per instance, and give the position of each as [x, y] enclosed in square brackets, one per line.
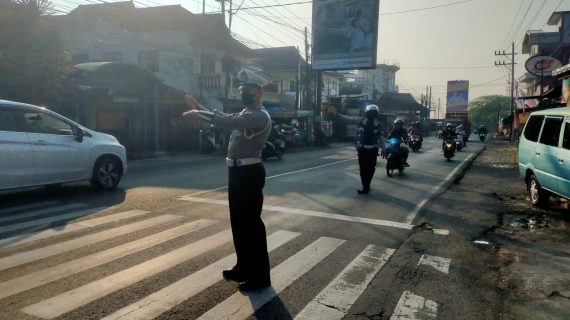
[251, 127]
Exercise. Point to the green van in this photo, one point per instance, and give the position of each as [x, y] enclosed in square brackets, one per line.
[544, 154]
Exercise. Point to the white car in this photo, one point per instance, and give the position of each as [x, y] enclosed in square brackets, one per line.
[40, 147]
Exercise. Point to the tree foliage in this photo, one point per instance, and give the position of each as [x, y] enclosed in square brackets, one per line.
[32, 59]
[488, 110]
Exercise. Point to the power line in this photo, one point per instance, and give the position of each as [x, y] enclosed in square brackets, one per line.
[426, 8]
[512, 25]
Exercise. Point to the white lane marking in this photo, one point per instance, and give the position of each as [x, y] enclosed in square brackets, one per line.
[70, 227]
[242, 305]
[48, 220]
[438, 263]
[319, 214]
[167, 298]
[271, 177]
[73, 299]
[339, 295]
[413, 307]
[60, 271]
[8, 210]
[41, 253]
[412, 215]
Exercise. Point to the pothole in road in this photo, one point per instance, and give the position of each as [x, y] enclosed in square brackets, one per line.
[531, 222]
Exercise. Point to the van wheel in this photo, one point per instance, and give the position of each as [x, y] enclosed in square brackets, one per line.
[106, 174]
[538, 196]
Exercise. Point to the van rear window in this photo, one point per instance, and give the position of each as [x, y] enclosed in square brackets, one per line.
[532, 128]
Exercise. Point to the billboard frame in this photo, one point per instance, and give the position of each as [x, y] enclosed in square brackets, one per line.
[347, 61]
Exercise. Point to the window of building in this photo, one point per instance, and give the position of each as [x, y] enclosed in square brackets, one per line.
[149, 60]
[551, 131]
[292, 86]
[112, 56]
[532, 128]
[208, 63]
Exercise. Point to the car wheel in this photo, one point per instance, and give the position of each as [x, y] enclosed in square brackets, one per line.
[538, 196]
[106, 174]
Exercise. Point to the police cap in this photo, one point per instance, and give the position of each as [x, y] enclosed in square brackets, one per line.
[249, 78]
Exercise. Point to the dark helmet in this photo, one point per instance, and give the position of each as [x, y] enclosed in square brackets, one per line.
[449, 126]
[399, 121]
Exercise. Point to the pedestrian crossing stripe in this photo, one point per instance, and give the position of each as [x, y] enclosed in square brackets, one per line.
[44, 276]
[414, 307]
[69, 227]
[61, 247]
[338, 297]
[438, 263]
[241, 306]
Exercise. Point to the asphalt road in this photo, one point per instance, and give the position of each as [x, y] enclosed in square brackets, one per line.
[155, 247]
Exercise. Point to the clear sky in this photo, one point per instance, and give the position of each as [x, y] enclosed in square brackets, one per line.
[433, 41]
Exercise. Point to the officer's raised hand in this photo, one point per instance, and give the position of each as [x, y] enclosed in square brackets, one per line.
[194, 105]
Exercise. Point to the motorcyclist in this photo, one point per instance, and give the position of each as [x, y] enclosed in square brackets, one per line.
[401, 134]
[448, 133]
[416, 130]
[482, 129]
[460, 130]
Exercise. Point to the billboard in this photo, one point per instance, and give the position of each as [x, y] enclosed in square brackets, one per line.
[457, 96]
[345, 33]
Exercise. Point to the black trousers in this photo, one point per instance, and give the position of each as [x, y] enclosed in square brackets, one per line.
[245, 196]
[367, 164]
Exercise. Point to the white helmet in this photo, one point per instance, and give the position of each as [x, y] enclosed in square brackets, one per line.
[372, 107]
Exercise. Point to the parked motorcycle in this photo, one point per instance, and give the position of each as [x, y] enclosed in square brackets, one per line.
[393, 157]
[208, 140]
[415, 142]
[448, 149]
[273, 148]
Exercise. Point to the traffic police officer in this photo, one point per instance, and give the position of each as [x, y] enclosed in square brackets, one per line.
[368, 137]
[246, 176]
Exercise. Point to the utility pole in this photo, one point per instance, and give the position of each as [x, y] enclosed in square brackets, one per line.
[512, 69]
[429, 103]
[498, 115]
[306, 91]
[231, 14]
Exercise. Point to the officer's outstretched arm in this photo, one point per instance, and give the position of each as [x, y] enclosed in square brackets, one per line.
[250, 120]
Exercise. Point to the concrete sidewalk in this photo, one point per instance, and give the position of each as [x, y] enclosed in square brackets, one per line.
[510, 251]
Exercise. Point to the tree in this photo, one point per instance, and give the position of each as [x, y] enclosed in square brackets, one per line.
[32, 59]
[488, 110]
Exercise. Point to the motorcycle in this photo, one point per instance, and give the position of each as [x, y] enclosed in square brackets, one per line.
[415, 142]
[482, 136]
[393, 157]
[207, 140]
[273, 148]
[448, 149]
[459, 142]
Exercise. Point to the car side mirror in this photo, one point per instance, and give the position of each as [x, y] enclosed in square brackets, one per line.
[78, 133]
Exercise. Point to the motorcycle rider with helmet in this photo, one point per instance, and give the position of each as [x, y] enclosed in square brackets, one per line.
[368, 138]
[448, 133]
[400, 133]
